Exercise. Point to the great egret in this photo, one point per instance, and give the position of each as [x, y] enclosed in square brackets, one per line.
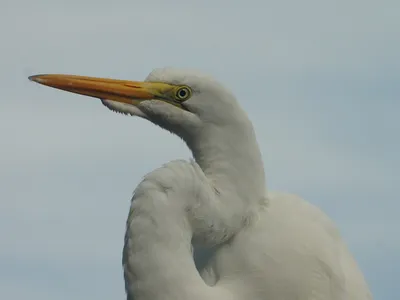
[270, 246]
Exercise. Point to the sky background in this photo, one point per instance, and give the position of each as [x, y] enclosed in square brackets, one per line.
[319, 79]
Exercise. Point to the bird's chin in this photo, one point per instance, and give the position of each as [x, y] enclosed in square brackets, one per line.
[123, 108]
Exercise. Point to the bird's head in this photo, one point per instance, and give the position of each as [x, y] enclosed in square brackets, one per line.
[180, 101]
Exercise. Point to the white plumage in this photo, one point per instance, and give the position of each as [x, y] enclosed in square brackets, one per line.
[269, 246]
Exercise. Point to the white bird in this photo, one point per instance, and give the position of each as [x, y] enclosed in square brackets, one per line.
[269, 245]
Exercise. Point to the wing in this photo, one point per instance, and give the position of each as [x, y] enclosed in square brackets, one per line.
[157, 256]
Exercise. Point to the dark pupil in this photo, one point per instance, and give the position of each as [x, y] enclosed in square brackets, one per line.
[182, 93]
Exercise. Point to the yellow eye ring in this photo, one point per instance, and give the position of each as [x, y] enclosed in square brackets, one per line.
[183, 93]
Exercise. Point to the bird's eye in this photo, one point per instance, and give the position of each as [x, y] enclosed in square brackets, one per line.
[183, 93]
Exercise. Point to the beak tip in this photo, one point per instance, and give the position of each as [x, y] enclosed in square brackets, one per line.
[36, 78]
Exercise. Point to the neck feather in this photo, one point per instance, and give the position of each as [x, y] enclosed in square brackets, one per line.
[230, 158]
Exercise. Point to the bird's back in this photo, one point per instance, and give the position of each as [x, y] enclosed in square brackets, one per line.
[292, 251]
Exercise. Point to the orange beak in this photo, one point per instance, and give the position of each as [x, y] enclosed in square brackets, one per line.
[130, 92]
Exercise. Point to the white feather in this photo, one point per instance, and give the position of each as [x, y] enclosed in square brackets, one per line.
[269, 246]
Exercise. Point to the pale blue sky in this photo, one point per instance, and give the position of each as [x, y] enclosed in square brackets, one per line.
[319, 79]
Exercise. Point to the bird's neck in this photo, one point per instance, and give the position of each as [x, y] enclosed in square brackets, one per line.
[230, 157]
